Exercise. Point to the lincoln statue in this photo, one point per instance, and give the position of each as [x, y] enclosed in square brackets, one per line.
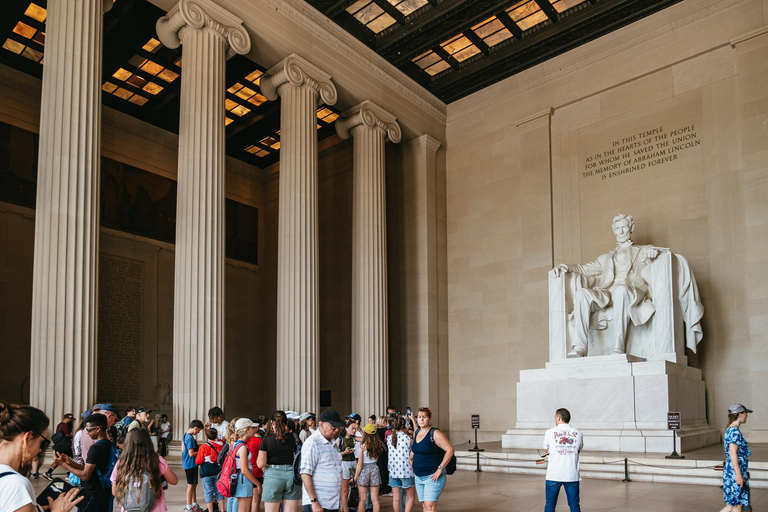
[619, 283]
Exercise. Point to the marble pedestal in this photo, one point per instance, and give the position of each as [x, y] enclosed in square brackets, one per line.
[619, 402]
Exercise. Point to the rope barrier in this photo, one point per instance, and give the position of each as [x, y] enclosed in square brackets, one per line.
[626, 462]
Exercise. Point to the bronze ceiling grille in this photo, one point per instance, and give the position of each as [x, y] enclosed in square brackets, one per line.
[456, 47]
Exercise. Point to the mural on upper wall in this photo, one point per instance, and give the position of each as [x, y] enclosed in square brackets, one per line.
[132, 200]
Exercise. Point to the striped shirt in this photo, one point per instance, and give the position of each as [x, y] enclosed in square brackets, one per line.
[321, 459]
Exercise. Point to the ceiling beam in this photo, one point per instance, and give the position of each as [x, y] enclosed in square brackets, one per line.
[355, 28]
[570, 32]
[446, 56]
[470, 34]
[550, 11]
[435, 25]
[332, 7]
[510, 24]
[390, 9]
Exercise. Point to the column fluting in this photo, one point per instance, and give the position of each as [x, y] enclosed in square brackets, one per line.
[65, 282]
[207, 33]
[300, 85]
[369, 126]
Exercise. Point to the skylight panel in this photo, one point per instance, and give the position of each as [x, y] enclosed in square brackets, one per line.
[527, 14]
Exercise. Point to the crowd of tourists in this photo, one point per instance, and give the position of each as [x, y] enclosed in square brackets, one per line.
[319, 463]
[287, 462]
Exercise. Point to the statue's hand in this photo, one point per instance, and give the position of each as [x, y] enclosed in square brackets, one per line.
[558, 271]
[652, 252]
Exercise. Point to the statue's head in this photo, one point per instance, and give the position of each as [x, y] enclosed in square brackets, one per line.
[623, 225]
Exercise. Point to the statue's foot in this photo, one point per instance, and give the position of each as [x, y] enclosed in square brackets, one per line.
[618, 351]
[577, 352]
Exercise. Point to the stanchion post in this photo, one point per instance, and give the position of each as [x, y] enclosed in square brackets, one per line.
[626, 470]
[478, 470]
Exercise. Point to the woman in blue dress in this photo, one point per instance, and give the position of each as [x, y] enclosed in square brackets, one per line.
[735, 476]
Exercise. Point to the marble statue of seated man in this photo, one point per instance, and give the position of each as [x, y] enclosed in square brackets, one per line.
[619, 283]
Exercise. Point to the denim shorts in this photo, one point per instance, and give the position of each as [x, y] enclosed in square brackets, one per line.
[244, 487]
[405, 483]
[279, 484]
[210, 490]
[427, 490]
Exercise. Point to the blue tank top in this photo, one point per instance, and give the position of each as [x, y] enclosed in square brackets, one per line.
[426, 455]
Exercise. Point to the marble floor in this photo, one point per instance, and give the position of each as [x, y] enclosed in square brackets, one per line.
[468, 491]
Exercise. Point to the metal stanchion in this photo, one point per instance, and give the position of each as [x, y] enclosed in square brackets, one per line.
[626, 470]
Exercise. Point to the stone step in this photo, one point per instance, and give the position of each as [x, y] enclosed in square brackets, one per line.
[644, 468]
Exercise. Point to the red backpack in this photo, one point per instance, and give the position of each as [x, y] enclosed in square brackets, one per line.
[227, 481]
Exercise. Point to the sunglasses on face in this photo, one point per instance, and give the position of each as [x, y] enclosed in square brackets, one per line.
[91, 429]
[44, 444]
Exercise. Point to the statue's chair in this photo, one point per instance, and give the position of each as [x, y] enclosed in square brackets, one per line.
[661, 337]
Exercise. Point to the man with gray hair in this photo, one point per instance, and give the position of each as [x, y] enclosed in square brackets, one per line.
[619, 283]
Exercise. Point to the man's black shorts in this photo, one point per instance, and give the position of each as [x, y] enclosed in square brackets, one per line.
[192, 475]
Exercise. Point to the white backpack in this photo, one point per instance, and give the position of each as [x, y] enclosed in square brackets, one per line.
[138, 496]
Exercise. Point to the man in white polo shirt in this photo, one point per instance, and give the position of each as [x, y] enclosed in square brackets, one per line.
[563, 444]
[321, 466]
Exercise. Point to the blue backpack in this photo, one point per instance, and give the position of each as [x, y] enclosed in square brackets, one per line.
[105, 479]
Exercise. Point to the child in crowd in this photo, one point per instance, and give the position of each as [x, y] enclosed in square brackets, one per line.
[254, 444]
[139, 457]
[217, 421]
[209, 469]
[247, 485]
[348, 460]
[188, 464]
[367, 475]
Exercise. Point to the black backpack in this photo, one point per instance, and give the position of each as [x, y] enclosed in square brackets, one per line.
[450, 468]
[222, 455]
[297, 464]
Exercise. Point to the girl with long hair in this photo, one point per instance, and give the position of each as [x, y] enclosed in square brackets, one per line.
[367, 475]
[139, 457]
[276, 459]
[348, 460]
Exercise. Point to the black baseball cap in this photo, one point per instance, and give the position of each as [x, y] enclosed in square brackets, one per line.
[332, 417]
[142, 409]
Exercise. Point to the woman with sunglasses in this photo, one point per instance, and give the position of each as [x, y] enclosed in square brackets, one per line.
[23, 432]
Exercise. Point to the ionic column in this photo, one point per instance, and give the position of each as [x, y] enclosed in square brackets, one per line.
[207, 32]
[300, 85]
[65, 282]
[370, 126]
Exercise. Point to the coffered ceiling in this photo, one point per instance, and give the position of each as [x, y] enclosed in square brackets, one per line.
[450, 47]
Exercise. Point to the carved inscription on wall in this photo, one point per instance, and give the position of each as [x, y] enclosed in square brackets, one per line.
[638, 151]
[120, 326]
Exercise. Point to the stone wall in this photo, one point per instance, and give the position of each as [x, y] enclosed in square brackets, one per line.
[665, 120]
[143, 307]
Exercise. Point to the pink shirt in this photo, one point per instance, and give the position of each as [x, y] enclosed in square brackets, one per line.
[160, 505]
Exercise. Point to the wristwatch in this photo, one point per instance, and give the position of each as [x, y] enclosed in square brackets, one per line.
[440, 467]
[313, 500]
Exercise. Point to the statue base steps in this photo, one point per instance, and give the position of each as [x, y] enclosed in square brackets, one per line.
[619, 402]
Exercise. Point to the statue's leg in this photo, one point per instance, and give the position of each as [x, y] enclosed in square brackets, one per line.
[582, 307]
[622, 300]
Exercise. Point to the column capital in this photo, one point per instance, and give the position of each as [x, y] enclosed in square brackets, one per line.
[298, 71]
[201, 14]
[371, 115]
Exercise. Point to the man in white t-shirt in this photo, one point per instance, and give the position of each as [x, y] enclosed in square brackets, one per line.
[563, 444]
